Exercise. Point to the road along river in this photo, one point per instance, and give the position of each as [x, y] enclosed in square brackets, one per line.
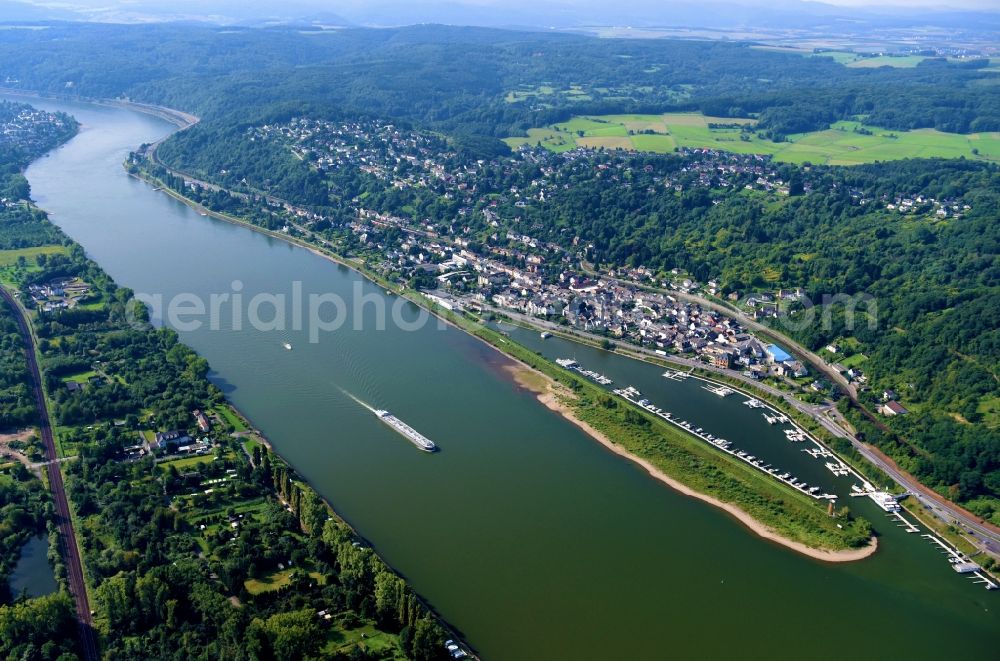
[532, 539]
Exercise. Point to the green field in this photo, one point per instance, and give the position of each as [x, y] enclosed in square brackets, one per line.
[839, 56]
[856, 360]
[9, 272]
[230, 418]
[189, 462]
[898, 61]
[844, 143]
[853, 59]
[572, 93]
[9, 257]
[989, 408]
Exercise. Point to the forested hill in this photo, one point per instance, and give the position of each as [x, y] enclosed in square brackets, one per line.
[919, 236]
[934, 276]
[479, 81]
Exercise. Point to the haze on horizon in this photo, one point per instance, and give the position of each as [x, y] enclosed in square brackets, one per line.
[525, 13]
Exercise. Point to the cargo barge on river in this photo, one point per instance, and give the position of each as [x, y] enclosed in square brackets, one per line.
[415, 437]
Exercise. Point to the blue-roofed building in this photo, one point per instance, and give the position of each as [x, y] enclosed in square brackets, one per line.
[776, 354]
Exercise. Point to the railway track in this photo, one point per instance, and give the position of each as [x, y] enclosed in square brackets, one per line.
[70, 552]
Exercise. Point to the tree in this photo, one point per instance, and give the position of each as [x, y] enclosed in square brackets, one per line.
[427, 640]
[294, 635]
[42, 628]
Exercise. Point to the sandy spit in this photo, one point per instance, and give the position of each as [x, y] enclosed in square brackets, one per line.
[528, 378]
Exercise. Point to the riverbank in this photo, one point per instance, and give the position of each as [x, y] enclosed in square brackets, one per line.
[576, 511]
[553, 396]
[791, 520]
[249, 437]
[178, 118]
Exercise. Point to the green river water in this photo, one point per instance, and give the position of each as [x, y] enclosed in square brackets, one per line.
[529, 537]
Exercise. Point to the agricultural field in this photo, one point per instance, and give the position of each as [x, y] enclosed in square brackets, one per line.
[842, 57]
[852, 59]
[572, 93]
[844, 143]
[550, 96]
[898, 61]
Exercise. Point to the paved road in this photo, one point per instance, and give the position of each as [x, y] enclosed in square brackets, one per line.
[88, 640]
[983, 535]
[987, 536]
[815, 361]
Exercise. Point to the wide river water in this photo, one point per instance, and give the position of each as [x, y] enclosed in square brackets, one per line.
[529, 537]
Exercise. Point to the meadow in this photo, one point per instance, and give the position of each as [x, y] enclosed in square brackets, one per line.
[844, 143]
[899, 61]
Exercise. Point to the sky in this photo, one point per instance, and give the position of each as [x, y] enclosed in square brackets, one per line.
[561, 13]
[356, 5]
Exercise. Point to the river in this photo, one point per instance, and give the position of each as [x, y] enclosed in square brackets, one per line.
[529, 537]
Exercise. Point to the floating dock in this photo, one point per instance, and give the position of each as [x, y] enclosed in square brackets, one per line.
[778, 419]
[795, 435]
[962, 564]
[633, 395]
[571, 364]
[837, 468]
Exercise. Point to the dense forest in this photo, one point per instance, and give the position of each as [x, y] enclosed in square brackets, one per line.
[42, 629]
[17, 404]
[167, 573]
[931, 273]
[254, 567]
[933, 277]
[480, 81]
[177, 577]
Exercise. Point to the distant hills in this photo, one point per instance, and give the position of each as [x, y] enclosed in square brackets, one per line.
[559, 14]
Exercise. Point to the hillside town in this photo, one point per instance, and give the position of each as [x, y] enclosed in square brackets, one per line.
[492, 256]
[493, 252]
[31, 131]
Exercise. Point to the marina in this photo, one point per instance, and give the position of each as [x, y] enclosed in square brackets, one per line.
[674, 375]
[886, 501]
[571, 364]
[721, 391]
[837, 468]
[795, 435]
[904, 523]
[960, 563]
[516, 487]
[635, 397]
